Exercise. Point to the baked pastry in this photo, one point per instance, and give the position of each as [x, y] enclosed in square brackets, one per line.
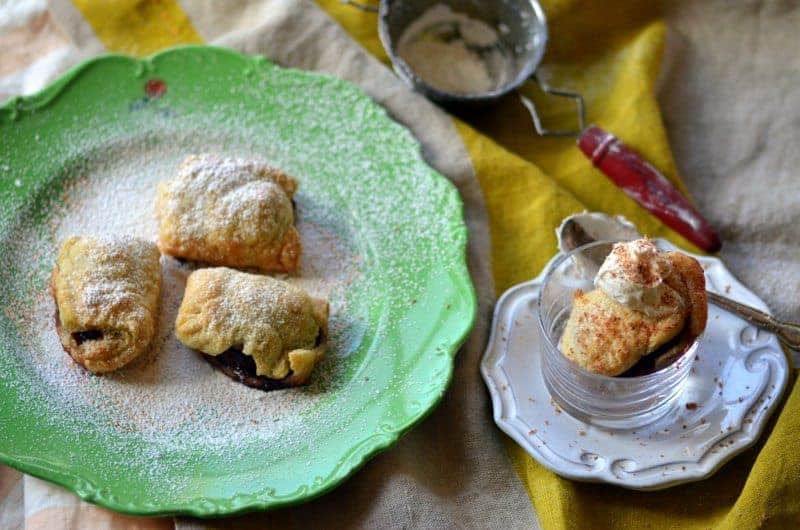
[648, 308]
[263, 332]
[106, 291]
[229, 211]
[693, 288]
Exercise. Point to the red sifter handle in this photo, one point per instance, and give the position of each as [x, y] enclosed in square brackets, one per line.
[647, 186]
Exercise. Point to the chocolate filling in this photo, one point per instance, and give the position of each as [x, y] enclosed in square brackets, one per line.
[90, 334]
[241, 367]
[662, 356]
[79, 336]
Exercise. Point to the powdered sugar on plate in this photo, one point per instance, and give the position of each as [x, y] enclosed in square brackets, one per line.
[165, 396]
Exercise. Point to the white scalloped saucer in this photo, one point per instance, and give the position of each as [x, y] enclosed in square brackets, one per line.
[737, 380]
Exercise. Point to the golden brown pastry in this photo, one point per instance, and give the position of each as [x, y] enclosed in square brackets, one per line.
[229, 211]
[261, 331]
[692, 287]
[647, 304]
[106, 291]
[608, 338]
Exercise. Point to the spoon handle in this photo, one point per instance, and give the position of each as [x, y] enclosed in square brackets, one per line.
[787, 332]
[647, 186]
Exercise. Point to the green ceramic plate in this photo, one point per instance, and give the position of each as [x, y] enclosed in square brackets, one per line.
[385, 239]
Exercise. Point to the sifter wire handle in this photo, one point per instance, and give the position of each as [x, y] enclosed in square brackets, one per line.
[537, 122]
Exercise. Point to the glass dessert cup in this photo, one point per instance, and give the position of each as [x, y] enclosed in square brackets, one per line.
[612, 402]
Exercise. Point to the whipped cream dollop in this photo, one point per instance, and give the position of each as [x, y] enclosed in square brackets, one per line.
[634, 274]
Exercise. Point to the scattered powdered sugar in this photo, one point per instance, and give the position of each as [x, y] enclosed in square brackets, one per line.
[454, 53]
[172, 395]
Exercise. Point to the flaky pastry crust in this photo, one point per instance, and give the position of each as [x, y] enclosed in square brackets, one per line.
[229, 211]
[106, 292]
[277, 324]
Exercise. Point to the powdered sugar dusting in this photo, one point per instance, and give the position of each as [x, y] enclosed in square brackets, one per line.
[172, 395]
[455, 53]
[213, 193]
[106, 285]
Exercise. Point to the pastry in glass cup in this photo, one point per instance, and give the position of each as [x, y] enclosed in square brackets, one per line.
[648, 307]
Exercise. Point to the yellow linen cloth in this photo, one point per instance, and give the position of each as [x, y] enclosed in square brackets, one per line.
[610, 52]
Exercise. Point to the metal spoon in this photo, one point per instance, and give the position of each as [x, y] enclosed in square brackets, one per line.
[573, 236]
